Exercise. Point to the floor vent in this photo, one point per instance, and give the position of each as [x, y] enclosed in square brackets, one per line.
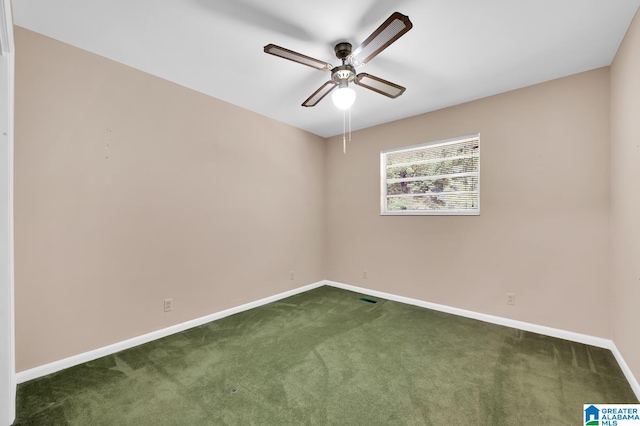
[364, 299]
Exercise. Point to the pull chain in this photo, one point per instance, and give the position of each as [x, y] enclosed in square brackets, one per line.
[344, 132]
[349, 124]
[344, 129]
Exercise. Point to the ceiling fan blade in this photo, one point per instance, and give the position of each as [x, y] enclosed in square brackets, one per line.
[272, 49]
[319, 94]
[379, 85]
[392, 29]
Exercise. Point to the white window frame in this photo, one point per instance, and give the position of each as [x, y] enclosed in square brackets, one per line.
[433, 144]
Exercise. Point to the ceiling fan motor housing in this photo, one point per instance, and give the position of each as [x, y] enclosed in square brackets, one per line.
[343, 75]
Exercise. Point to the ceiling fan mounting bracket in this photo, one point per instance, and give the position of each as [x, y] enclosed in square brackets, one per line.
[342, 50]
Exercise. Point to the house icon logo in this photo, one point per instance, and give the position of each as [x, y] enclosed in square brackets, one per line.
[591, 416]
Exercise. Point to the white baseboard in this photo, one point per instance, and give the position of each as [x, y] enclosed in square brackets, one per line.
[521, 325]
[56, 366]
[626, 370]
[53, 367]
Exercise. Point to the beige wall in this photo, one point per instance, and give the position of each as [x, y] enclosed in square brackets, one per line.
[213, 205]
[625, 196]
[543, 232]
[199, 201]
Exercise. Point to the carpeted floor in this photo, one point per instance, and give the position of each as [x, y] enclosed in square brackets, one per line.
[325, 357]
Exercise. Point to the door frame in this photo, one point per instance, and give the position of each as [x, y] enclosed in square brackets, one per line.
[7, 330]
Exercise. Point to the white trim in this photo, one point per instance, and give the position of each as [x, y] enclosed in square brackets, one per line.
[53, 367]
[431, 213]
[6, 31]
[507, 322]
[626, 370]
[7, 329]
[56, 366]
[12, 345]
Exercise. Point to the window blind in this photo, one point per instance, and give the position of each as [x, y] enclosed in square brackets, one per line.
[440, 177]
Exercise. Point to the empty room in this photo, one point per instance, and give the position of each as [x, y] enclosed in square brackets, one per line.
[231, 212]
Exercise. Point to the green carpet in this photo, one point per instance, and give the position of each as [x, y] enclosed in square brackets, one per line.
[325, 357]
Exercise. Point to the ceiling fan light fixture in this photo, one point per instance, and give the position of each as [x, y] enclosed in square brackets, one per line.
[344, 97]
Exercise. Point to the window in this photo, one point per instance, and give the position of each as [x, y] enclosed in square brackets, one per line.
[436, 178]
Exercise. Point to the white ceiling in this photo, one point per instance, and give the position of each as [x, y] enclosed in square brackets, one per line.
[457, 51]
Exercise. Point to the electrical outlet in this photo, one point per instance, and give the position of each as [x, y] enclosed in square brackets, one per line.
[365, 274]
[292, 275]
[168, 305]
[511, 299]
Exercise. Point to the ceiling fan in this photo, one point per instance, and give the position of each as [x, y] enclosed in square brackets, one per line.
[390, 30]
